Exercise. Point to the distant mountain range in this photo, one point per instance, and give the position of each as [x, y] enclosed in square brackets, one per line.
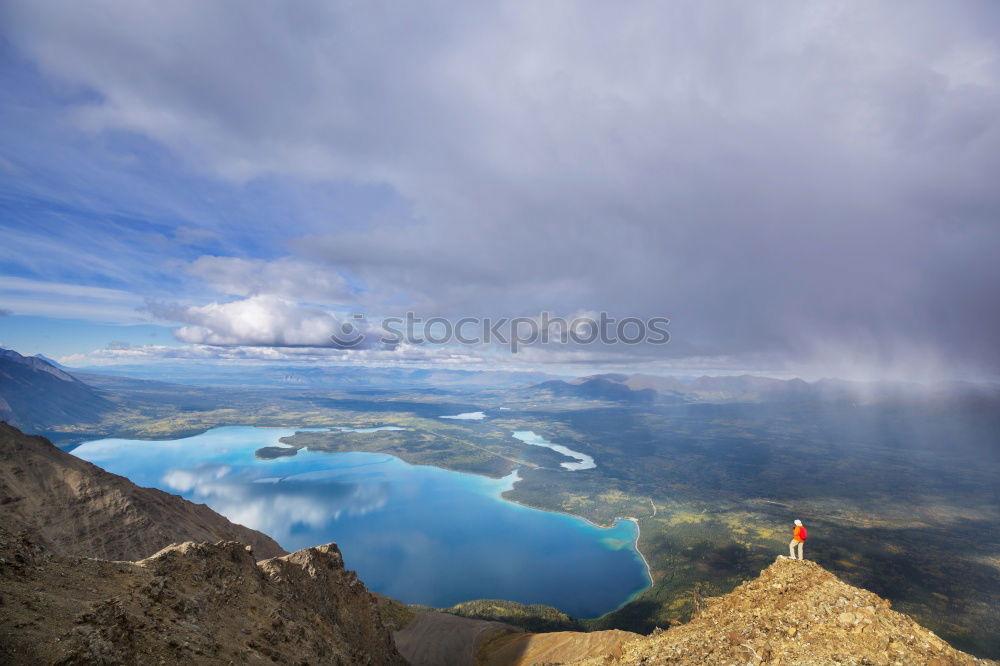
[654, 389]
[36, 395]
[649, 389]
[599, 387]
[40, 396]
[321, 376]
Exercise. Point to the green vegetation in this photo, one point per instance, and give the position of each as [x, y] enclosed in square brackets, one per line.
[530, 617]
[394, 613]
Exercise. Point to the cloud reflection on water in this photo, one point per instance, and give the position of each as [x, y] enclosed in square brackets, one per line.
[277, 505]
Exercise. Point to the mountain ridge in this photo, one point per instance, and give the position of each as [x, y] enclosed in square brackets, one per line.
[36, 395]
[660, 389]
[77, 508]
[206, 603]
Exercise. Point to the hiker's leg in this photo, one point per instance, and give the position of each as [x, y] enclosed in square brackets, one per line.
[801, 544]
[791, 549]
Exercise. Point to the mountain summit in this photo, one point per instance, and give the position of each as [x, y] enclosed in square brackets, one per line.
[794, 612]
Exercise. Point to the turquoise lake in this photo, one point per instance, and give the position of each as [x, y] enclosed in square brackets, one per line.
[415, 533]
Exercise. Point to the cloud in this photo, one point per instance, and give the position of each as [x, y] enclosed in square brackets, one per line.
[195, 236]
[403, 355]
[66, 300]
[258, 321]
[186, 480]
[782, 181]
[285, 278]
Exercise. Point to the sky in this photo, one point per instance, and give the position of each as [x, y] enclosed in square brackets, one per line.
[802, 189]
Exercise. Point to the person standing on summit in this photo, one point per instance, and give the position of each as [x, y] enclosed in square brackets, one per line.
[798, 539]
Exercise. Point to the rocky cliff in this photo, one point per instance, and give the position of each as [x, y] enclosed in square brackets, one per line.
[76, 508]
[189, 603]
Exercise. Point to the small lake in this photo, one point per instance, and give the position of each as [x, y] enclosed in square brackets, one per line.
[415, 533]
[583, 461]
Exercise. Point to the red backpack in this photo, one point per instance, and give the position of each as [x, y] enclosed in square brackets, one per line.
[803, 534]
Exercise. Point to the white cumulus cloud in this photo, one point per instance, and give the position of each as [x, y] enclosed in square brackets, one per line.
[258, 320]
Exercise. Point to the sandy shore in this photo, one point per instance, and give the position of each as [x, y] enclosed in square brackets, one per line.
[638, 529]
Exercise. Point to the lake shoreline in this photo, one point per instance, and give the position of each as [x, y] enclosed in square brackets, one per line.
[635, 545]
[227, 450]
[513, 478]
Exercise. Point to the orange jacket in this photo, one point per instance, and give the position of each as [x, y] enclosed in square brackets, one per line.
[797, 533]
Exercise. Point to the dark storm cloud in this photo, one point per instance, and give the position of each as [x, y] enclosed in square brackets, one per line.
[793, 180]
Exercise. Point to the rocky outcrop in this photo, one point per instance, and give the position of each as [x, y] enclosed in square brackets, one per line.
[76, 508]
[795, 612]
[189, 603]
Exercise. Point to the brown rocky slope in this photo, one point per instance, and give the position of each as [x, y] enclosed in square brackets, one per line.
[76, 508]
[189, 603]
[795, 612]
